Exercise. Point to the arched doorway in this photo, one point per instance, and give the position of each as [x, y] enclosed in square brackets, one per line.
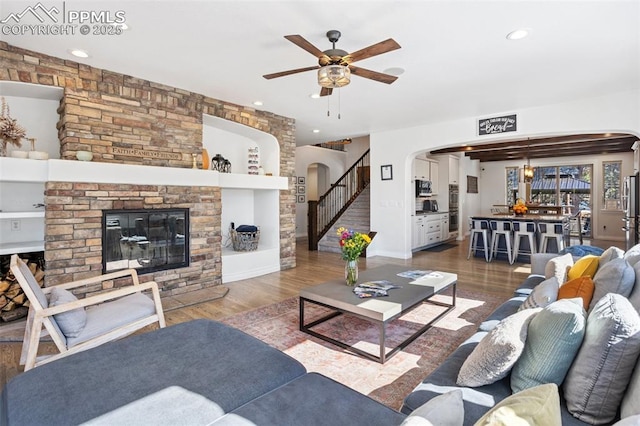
[318, 180]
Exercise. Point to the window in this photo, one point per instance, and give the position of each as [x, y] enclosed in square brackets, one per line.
[612, 184]
[512, 185]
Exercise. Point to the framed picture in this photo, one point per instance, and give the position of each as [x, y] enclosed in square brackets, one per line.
[301, 180]
[301, 199]
[472, 184]
[301, 189]
[386, 172]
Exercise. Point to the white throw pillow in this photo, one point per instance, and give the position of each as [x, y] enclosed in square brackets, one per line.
[497, 352]
[542, 295]
[71, 323]
[443, 410]
[558, 267]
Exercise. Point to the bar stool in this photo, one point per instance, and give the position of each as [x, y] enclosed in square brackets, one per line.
[478, 227]
[525, 230]
[550, 231]
[501, 228]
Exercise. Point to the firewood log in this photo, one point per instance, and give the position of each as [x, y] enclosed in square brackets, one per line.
[4, 286]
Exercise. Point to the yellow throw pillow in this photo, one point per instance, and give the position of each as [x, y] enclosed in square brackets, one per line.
[539, 405]
[579, 287]
[586, 266]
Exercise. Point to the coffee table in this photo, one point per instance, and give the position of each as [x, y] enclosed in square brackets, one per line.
[339, 297]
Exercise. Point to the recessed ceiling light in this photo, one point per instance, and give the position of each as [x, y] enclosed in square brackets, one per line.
[518, 34]
[394, 71]
[316, 131]
[79, 53]
[257, 103]
[315, 96]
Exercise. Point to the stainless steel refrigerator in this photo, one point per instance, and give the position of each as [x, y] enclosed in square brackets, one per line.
[631, 207]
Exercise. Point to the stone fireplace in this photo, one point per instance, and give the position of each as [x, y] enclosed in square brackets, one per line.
[145, 240]
[145, 138]
[76, 211]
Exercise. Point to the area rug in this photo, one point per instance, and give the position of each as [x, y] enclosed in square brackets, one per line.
[388, 383]
[441, 247]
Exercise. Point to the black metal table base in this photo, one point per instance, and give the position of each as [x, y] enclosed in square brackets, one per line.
[384, 355]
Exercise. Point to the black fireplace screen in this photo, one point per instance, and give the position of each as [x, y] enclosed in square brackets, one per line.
[146, 240]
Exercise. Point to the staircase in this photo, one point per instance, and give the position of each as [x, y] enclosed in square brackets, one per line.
[324, 214]
[356, 217]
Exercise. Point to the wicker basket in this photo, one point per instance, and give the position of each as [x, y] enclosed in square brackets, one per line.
[245, 241]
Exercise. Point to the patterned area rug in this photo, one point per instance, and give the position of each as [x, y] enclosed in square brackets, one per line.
[390, 382]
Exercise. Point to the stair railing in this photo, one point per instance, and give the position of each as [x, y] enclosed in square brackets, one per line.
[324, 213]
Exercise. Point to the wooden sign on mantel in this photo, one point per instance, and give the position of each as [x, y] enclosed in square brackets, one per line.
[141, 153]
[493, 125]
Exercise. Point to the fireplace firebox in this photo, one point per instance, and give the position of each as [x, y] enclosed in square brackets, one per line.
[145, 240]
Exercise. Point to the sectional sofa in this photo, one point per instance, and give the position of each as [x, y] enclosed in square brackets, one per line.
[588, 350]
[203, 372]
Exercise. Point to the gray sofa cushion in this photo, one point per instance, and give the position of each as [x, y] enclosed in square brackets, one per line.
[221, 363]
[312, 400]
[477, 401]
[529, 284]
[507, 308]
[599, 375]
[617, 276]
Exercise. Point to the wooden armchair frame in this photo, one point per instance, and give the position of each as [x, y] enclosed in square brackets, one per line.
[40, 316]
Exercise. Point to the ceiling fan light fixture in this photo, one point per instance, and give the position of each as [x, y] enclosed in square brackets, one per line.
[334, 76]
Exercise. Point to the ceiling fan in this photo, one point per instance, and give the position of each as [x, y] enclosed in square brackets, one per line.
[335, 65]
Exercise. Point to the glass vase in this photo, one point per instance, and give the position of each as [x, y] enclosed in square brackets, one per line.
[351, 272]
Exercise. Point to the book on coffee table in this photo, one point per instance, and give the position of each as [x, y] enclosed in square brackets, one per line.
[415, 274]
[374, 288]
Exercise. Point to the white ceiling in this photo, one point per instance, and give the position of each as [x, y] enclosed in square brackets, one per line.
[457, 59]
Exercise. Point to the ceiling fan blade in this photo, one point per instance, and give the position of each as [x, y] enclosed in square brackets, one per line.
[373, 75]
[373, 50]
[301, 42]
[283, 73]
[326, 91]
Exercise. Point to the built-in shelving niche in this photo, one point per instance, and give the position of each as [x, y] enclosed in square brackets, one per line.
[247, 199]
[34, 107]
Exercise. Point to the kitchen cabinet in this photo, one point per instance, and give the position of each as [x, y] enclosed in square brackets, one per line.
[427, 170]
[444, 221]
[418, 232]
[454, 168]
[429, 230]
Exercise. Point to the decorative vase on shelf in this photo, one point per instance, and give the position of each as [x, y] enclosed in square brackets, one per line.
[205, 159]
[351, 272]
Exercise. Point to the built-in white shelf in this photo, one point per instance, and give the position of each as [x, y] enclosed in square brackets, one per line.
[21, 215]
[21, 247]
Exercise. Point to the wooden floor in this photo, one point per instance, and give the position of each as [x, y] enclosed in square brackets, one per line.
[497, 277]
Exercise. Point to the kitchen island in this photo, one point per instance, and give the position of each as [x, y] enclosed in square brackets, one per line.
[558, 221]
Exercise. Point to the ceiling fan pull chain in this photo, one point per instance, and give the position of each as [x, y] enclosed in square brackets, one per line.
[328, 106]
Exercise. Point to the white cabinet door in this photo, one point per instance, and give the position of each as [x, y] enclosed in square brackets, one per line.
[433, 176]
[454, 167]
[444, 226]
[421, 169]
[417, 237]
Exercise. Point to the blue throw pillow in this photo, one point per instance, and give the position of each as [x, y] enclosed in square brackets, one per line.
[579, 251]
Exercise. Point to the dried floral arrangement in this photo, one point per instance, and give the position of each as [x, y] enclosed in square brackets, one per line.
[10, 131]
